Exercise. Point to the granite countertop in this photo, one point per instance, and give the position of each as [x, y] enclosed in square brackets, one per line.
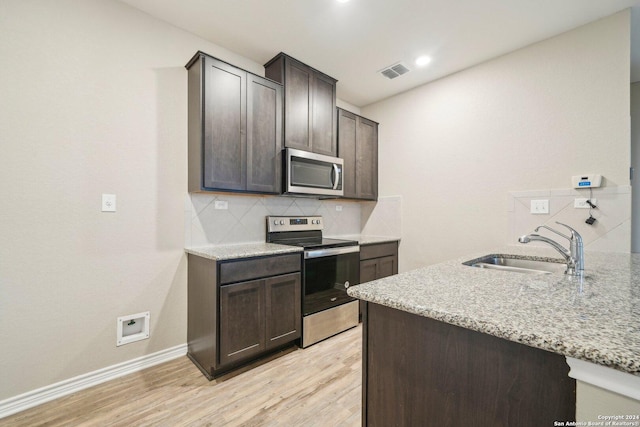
[596, 318]
[243, 250]
[246, 250]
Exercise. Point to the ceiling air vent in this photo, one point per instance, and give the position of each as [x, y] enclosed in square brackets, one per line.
[395, 70]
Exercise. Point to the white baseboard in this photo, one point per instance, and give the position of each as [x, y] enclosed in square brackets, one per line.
[36, 397]
[606, 378]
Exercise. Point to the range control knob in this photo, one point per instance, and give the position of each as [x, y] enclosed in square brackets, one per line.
[275, 222]
[282, 222]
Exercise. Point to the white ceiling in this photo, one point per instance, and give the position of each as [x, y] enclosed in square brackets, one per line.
[352, 41]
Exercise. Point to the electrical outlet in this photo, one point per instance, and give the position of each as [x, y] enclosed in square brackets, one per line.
[221, 204]
[581, 203]
[339, 208]
[540, 207]
[108, 203]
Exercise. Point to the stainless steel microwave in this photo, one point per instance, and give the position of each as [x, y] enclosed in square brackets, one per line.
[312, 174]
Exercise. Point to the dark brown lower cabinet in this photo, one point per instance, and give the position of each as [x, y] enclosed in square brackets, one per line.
[378, 261]
[241, 310]
[377, 268]
[258, 315]
[282, 309]
[421, 372]
[368, 270]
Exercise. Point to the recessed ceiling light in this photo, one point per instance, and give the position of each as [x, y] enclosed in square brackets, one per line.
[342, 1]
[421, 61]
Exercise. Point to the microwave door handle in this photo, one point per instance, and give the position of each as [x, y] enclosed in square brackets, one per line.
[336, 176]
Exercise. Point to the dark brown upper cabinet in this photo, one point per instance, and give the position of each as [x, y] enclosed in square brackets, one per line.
[235, 128]
[309, 105]
[358, 147]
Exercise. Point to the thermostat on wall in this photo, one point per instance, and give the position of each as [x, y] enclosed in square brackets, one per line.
[587, 181]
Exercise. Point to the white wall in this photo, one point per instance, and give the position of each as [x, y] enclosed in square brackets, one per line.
[94, 101]
[529, 120]
[346, 106]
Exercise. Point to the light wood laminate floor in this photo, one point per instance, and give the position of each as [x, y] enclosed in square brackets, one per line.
[317, 386]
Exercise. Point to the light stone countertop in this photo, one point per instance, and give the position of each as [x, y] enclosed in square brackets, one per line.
[596, 319]
[246, 250]
[243, 250]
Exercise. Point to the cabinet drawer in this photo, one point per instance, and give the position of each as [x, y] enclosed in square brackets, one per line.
[378, 250]
[241, 270]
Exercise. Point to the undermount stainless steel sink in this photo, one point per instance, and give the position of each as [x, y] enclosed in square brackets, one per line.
[519, 264]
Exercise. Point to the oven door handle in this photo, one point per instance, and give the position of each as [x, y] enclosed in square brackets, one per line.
[319, 253]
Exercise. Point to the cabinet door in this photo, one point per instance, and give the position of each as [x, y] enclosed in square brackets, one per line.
[225, 116]
[283, 318]
[387, 266]
[264, 135]
[297, 124]
[323, 122]
[368, 270]
[347, 150]
[241, 320]
[367, 159]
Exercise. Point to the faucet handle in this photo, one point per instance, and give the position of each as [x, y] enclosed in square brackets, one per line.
[555, 231]
[574, 233]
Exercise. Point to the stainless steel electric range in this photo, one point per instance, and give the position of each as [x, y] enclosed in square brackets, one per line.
[330, 267]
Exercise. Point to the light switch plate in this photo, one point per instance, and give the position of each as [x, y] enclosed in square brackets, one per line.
[108, 203]
[540, 207]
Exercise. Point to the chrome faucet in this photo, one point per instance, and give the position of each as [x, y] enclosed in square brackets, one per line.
[574, 256]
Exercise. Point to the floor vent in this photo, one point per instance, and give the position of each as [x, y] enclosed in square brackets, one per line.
[395, 70]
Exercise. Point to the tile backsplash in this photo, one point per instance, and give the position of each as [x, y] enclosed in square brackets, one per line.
[382, 218]
[244, 219]
[611, 232]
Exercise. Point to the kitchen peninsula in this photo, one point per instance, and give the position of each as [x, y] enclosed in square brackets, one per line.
[457, 345]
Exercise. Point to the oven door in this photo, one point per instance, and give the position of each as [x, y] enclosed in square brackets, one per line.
[327, 275]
